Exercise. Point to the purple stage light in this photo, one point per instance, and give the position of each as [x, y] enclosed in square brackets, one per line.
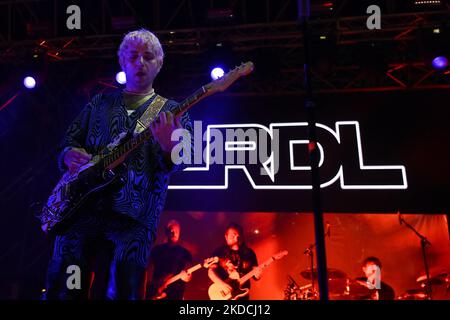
[29, 82]
[121, 77]
[217, 73]
[440, 62]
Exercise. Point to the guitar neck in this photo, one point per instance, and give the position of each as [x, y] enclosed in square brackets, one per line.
[114, 158]
[178, 276]
[253, 272]
[187, 103]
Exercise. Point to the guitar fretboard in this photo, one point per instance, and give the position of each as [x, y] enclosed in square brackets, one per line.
[178, 276]
[118, 154]
[262, 266]
[253, 272]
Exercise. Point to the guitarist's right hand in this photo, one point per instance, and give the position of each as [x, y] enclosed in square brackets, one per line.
[225, 287]
[76, 157]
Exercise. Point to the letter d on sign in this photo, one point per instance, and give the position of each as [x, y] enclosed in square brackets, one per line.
[74, 280]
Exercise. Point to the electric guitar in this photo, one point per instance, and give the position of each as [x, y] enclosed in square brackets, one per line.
[215, 291]
[160, 294]
[75, 188]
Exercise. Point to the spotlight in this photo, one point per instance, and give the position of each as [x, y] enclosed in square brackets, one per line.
[440, 62]
[427, 2]
[29, 82]
[217, 73]
[121, 77]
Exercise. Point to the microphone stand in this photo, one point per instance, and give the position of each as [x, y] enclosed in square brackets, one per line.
[423, 243]
[310, 252]
[303, 18]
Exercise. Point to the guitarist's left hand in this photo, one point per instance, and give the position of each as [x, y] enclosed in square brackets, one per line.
[162, 130]
[258, 273]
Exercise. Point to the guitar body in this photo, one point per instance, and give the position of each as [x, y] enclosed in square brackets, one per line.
[72, 191]
[216, 293]
[157, 290]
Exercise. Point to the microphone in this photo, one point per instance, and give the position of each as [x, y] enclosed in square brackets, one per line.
[328, 232]
[400, 219]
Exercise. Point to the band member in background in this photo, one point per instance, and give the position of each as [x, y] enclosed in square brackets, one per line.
[235, 260]
[169, 259]
[371, 266]
[127, 216]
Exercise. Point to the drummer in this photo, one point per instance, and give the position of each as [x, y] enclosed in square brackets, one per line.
[371, 266]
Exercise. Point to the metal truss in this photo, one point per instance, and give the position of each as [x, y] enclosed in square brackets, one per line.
[340, 39]
[347, 30]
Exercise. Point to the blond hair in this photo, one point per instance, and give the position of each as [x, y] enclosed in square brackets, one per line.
[141, 36]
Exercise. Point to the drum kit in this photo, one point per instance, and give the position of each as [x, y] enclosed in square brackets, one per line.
[439, 287]
[341, 287]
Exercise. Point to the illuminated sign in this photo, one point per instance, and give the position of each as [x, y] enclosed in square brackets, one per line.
[275, 158]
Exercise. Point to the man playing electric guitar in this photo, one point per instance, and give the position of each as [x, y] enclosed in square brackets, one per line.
[235, 260]
[124, 136]
[169, 259]
[128, 215]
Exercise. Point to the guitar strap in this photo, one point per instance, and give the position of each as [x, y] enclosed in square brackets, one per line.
[150, 114]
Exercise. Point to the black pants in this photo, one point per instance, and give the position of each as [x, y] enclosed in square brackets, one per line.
[69, 276]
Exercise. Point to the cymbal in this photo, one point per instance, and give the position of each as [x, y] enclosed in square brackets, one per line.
[332, 274]
[437, 277]
[413, 294]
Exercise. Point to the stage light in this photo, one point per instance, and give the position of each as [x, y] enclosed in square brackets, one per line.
[29, 82]
[427, 2]
[440, 62]
[436, 30]
[217, 73]
[121, 77]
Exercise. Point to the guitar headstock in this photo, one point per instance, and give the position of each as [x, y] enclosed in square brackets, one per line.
[210, 261]
[227, 80]
[280, 255]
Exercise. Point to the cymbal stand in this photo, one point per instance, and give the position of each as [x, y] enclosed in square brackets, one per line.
[310, 252]
[423, 243]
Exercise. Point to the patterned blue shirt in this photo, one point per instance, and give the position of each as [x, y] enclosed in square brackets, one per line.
[147, 172]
